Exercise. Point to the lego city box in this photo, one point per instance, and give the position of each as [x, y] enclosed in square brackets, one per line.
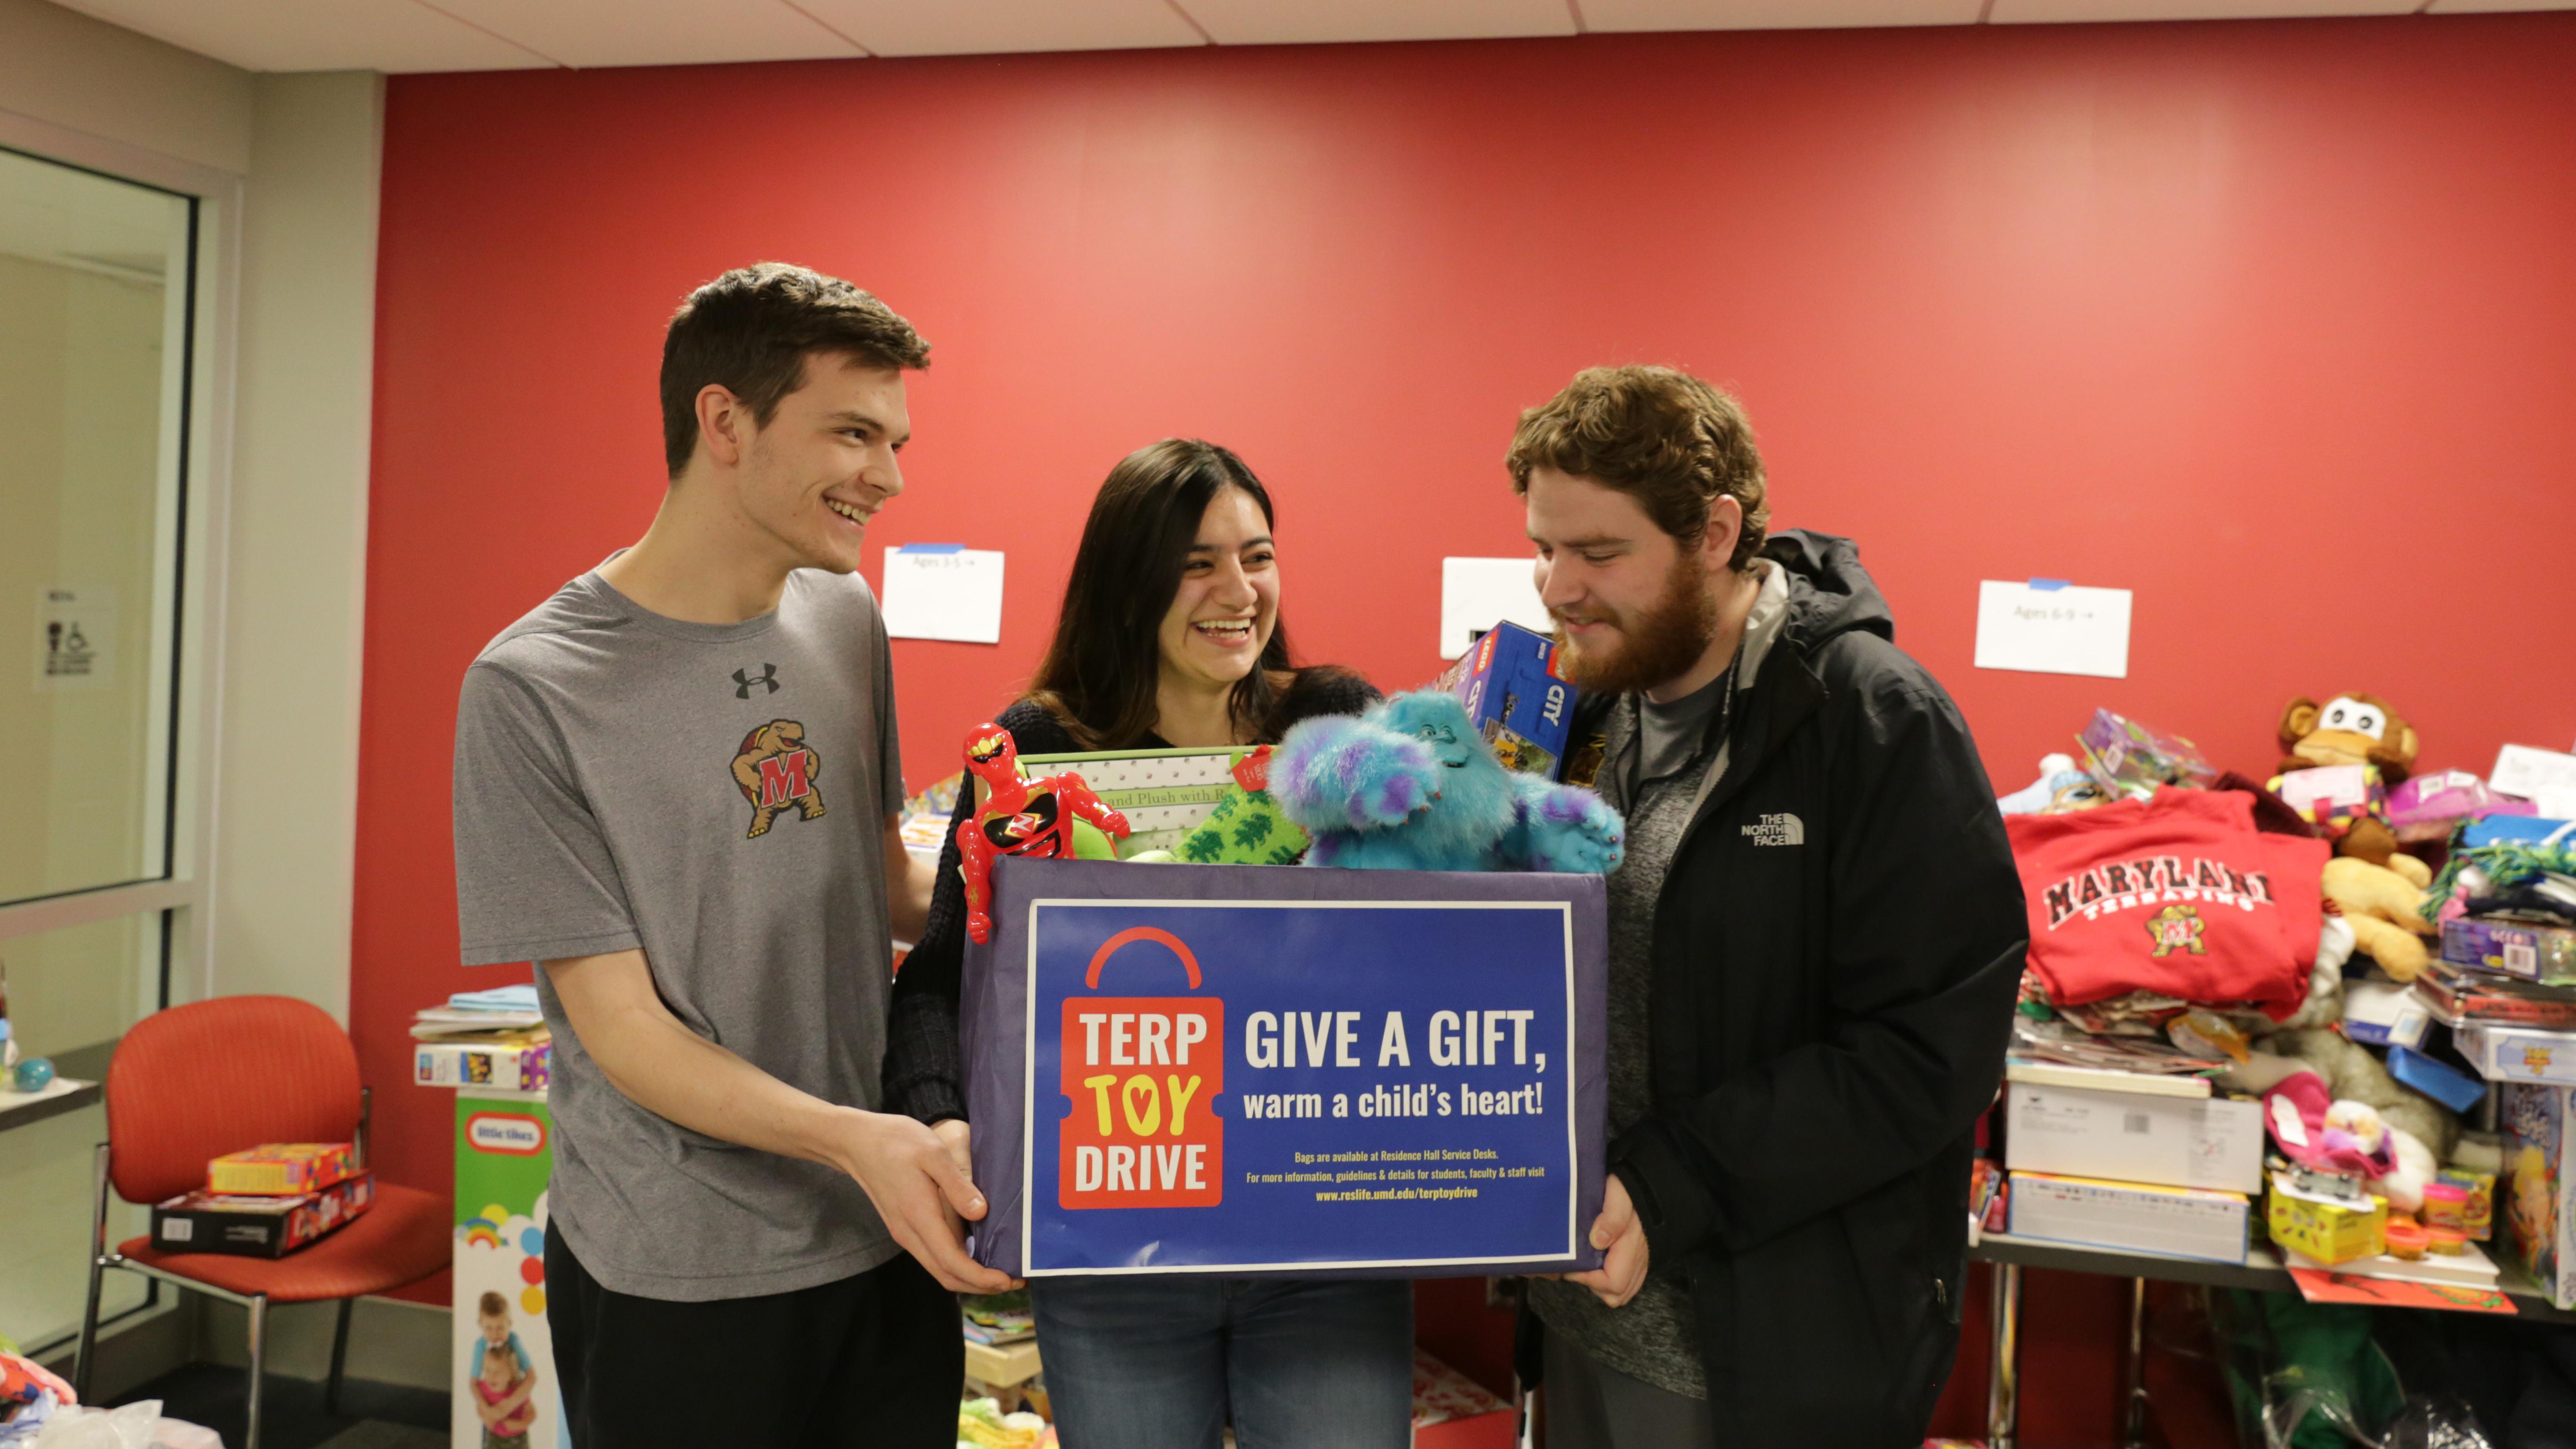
[1286, 1071]
[1521, 705]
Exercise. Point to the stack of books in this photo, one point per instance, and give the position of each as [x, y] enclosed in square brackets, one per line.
[494, 1038]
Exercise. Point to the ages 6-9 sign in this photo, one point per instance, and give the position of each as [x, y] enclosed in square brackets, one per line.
[1249, 1085]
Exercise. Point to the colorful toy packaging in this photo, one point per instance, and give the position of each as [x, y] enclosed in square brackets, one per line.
[2538, 1214]
[281, 1169]
[2546, 954]
[2324, 1226]
[519, 1066]
[1520, 703]
[2129, 760]
[259, 1226]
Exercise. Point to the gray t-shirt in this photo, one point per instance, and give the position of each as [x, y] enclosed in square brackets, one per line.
[717, 796]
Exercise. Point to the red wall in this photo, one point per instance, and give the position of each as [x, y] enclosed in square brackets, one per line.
[2274, 323]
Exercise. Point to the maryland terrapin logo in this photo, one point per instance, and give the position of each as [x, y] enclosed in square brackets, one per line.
[2177, 928]
[776, 770]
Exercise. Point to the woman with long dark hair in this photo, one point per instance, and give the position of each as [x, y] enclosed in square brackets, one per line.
[1170, 638]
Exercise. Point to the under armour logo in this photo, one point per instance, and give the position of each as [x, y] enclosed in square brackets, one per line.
[744, 679]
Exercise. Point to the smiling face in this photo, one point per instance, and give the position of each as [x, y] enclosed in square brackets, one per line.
[813, 475]
[1634, 606]
[1222, 615]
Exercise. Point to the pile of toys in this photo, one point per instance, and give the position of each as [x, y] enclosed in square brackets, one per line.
[2234, 1015]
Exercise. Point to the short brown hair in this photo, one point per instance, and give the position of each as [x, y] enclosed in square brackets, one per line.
[750, 331]
[1657, 434]
[492, 1306]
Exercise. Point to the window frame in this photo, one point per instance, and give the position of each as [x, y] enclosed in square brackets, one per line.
[183, 895]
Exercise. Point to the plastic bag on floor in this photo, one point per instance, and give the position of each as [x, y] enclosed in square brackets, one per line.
[131, 1426]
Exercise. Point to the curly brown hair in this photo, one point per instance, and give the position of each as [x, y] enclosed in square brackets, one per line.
[751, 330]
[1657, 434]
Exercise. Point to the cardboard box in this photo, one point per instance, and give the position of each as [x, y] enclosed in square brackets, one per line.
[2179, 1222]
[2518, 1053]
[2324, 1228]
[281, 1169]
[521, 1068]
[1524, 708]
[2211, 1142]
[258, 1227]
[2546, 954]
[2539, 1212]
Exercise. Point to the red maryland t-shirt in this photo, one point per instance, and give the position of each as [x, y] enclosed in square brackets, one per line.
[2177, 894]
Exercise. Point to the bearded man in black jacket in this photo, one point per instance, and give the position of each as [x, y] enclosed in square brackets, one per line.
[1815, 944]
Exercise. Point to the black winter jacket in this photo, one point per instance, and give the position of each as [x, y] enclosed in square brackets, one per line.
[1837, 951]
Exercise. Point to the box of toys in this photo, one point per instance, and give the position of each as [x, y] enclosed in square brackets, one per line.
[258, 1226]
[2538, 1215]
[519, 1066]
[1512, 690]
[281, 1169]
[2533, 951]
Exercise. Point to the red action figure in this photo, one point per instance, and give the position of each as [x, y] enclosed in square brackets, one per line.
[1020, 817]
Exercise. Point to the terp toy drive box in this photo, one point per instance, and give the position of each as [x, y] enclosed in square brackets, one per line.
[1286, 1071]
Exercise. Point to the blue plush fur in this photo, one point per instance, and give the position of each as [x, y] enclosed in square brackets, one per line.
[1410, 785]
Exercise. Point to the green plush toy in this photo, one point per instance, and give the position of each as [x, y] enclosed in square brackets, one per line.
[1246, 827]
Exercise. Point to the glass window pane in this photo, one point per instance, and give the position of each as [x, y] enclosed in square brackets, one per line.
[94, 301]
[70, 993]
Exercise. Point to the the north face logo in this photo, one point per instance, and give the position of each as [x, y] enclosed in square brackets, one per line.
[1781, 829]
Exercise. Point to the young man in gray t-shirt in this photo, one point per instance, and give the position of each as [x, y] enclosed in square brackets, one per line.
[677, 788]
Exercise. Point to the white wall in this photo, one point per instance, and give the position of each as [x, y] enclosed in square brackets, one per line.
[67, 69]
[287, 802]
[307, 147]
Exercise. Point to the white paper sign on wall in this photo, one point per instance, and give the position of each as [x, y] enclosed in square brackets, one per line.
[1475, 593]
[75, 636]
[2049, 626]
[943, 591]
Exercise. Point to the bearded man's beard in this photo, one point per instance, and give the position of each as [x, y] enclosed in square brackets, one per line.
[1663, 641]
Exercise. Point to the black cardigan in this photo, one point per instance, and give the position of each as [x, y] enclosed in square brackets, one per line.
[924, 1077]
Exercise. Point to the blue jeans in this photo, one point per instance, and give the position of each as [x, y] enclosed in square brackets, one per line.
[1156, 1363]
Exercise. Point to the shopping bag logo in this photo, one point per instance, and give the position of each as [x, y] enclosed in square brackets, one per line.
[1142, 1075]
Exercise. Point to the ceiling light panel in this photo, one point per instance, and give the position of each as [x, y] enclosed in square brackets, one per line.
[657, 32]
[986, 27]
[1267, 22]
[392, 35]
[1607, 15]
[2053, 12]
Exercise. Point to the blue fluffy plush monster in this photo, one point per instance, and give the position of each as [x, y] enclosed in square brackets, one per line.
[1410, 786]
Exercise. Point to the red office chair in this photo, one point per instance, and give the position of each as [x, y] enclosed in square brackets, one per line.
[192, 1083]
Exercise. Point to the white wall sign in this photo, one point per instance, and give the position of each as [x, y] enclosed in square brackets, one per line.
[1476, 592]
[2049, 626]
[75, 636]
[943, 591]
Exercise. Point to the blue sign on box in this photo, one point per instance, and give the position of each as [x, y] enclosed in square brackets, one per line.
[1276, 1070]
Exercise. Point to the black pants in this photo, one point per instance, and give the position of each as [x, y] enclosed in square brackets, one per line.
[871, 1360]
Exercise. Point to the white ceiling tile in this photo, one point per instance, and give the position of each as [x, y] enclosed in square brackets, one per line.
[391, 35]
[656, 32]
[1267, 22]
[2482, 7]
[1609, 15]
[2052, 12]
[984, 27]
